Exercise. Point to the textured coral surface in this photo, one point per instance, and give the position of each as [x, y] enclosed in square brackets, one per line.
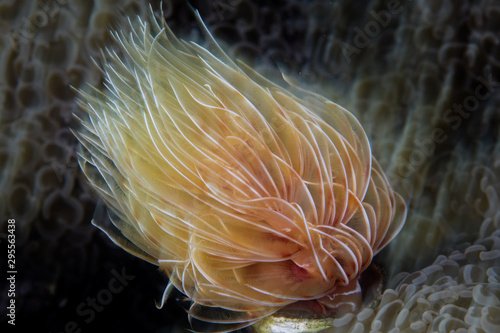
[421, 77]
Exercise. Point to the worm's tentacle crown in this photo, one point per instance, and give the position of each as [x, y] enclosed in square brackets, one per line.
[248, 197]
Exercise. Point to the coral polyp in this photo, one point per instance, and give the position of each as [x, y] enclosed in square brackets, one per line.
[249, 196]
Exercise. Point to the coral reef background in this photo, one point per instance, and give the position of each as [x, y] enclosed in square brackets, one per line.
[422, 77]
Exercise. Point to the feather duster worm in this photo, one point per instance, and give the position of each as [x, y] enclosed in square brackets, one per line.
[248, 197]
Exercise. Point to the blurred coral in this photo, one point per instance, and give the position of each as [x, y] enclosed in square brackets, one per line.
[414, 77]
